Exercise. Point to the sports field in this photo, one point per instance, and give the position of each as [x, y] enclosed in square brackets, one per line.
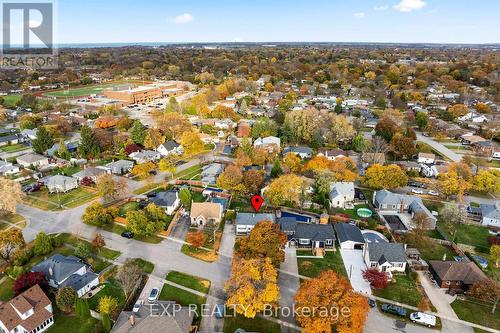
[84, 91]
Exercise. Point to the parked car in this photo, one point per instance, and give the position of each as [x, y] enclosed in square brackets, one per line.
[153, 295]
[423, 319]
[433, 193]
[417, 191]
[394, 309]
[137, 305]
[128, 234]
[151, 195]
[372, 303]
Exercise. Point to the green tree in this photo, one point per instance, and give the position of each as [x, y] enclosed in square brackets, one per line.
[63, 150]
[89, 145]
[421, 119]
[138, 132]
[43, 140]
[43, 244]
[83, 250]
[65, 299]
[185, 197]
[139, 223]
[107, 305]
[264, 127]
[276, 169]
[106, 323]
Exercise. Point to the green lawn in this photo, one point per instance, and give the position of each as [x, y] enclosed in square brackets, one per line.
[14, 148]
[146, 188]
[82, 91]
[129, 206]
[260, 325]
[189, 172]
[103, 252]
[182, 297]
[189, 281]
[146, 265]
[6, 292]
[50, 201]
[112, 288]
[70, 323]
[403, 289]
[11, 100]
[469, 234]
[431, 250]
[198, 196]
[312, 267]
[118, 229]
[476, 312]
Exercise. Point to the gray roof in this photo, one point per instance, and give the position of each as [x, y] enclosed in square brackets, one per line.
[120, 164]
[384, 197]
[77, 282]
[170, 145]
[491, 211]
[391, 252]
[348, 232]
[165, 198]
[314, 232]
[89, 172]
[62, 267]
[298, 150]
[59, 180]
[341, 188]
[31, 158]
[157, 317]
[253, 218]
[288, 224]
[8, 138]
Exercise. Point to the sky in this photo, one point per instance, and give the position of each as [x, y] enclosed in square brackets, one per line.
[407, 21]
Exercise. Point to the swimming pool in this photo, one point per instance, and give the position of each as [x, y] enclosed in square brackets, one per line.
[298, 217]
[364, 212]
[371, 236]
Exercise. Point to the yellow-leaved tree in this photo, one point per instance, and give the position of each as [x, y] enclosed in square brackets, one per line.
[285, 189]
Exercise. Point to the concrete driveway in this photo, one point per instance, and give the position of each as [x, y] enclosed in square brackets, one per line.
[441, 302]
[355, 265]
[289, 283]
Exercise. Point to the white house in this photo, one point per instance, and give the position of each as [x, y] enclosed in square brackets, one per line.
[32, 159]
[385, 257]
[68, 271]
[119, 167]
[426, 158]
[245, 222]
[270, 143]
[7, 168]
[30, 311]
[144, 156]
[349, 236]
[170, 147]
[169, 200]
[341, 193]
[60, 183]
[490, 214]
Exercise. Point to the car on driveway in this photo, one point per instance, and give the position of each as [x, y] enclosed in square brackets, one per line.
[128, 234]
[137, 305]
[417, 191]
[153, 295]
[393, 309]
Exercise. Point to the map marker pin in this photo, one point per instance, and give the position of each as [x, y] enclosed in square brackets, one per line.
[257, 202]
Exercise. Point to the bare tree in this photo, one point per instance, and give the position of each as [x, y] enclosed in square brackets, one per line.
[128, 275]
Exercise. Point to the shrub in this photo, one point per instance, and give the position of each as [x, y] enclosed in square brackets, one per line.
[376, 278]
[23, 256]
[56, 242]
[28, 280]
[65, 299]
[15, 271]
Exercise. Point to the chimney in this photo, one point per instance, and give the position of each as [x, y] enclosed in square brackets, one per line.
[51, 272]
[132, 320]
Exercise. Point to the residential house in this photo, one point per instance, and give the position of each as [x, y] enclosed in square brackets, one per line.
[349, 236]
[224, 124]
[426, 158]
[495, 153]
[145, 156]
[409, 166]
[308, 235]
[160, 316]
[32, 159]
[385, 257]
[72, 147]
[456, 275]
[270, 143]
[119, 167]
[28, 134]
[473, 117]
[245, 222]
[210, 172]
[341, 193]
[302, 152]
[205, 212]
[490, 214]
[169, 200]
[8, 140]
[60, 183]
[170, 147]
[332, 154]
[471, 139]
[7, 168]
[67, 271]
[89, 172]
[389, 202]
[30, 311]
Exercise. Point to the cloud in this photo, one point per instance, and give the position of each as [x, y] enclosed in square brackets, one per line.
[359, 15]
[410, 5]
[381, 8]
[183, 18]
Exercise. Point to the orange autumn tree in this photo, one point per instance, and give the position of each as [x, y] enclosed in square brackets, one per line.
[329, 291]
[343, 168]
[252, 286]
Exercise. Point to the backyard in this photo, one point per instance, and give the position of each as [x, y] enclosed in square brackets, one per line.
[14, 148]
[70, 323]
[312, 267]
[111, 288]
[469, 234]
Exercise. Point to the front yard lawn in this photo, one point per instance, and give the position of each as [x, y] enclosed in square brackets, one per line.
[403, 289]
[182, 297]
[14, 148]
[210, 243]
[476, 312]
[74, 198]
[312, 267]
[103, 252]
[146, 265]
[189, 281]
[112, 288]
[257, 324]
[146, 188]
[189, 172]
[118, 229]
[6, 292]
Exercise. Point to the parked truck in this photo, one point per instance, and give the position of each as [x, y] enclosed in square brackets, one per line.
[423, 319]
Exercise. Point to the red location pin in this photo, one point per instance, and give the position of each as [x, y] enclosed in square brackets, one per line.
[257, 201]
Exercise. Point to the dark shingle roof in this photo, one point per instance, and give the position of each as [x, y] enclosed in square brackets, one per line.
[391, 252]
[348, 232]
[170, 145]
[314, 232]
[465, 271]
[164, 199]
[61, 266]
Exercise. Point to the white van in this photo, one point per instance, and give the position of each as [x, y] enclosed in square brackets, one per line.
[423, 319]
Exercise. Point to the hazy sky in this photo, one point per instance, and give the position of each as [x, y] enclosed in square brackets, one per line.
[439, 21]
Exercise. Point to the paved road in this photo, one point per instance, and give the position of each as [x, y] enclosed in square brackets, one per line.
[442, 302]
[439, 147]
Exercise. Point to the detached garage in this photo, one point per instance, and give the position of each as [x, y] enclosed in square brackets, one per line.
[349, 236]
